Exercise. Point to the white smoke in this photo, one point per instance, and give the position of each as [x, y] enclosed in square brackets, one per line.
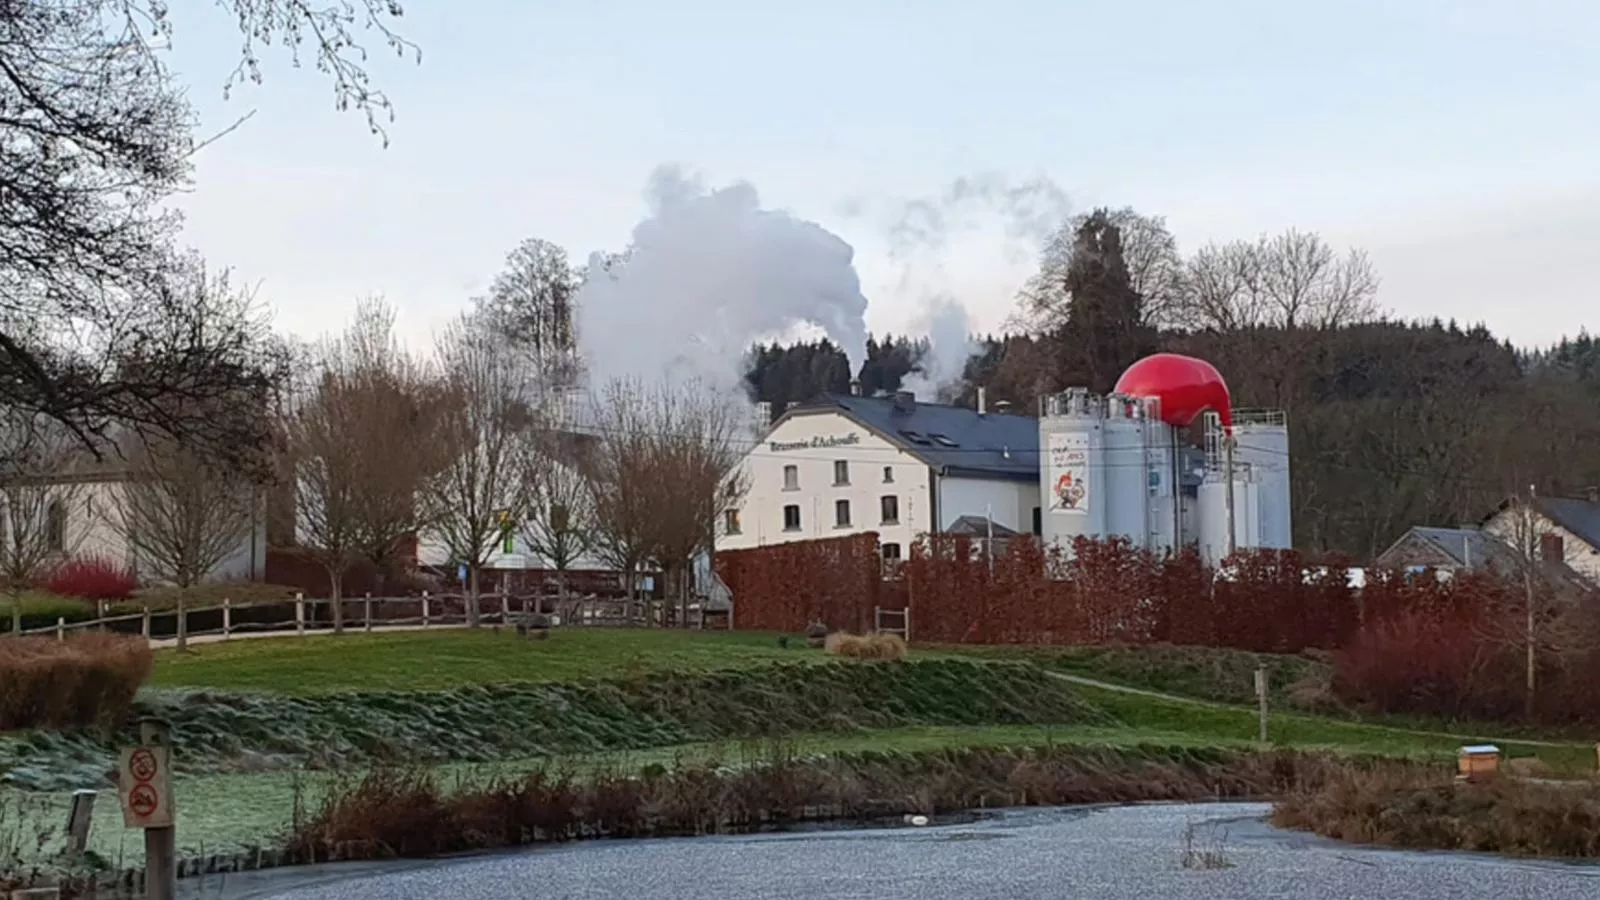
[920, 232]
[709, 273]
[950, 344]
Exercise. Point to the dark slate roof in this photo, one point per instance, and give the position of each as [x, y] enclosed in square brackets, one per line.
[1469, 546]
[993, 445]
[1581, 517]
[978, 526]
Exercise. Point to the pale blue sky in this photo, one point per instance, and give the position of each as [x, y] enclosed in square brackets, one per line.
[1458, 142]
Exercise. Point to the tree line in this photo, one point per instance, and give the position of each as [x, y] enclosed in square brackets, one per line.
[1392, 423]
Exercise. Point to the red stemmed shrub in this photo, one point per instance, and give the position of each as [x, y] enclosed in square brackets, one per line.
[92, 578]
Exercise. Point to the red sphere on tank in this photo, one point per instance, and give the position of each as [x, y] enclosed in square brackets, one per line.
[1185, 386]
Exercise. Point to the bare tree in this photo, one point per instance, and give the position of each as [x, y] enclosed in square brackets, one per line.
[561, 512]
[362, 436]
[1155, 269]
[694, 435]
[666, 468]
[490, 427]
[1291, 280]
[182, 515]
[38, 488]
[622, 480]
[100, 323]
[531, 303]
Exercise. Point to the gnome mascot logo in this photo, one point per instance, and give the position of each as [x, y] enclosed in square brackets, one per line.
[1069, 492]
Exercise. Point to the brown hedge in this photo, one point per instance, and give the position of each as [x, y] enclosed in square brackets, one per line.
[85, 680]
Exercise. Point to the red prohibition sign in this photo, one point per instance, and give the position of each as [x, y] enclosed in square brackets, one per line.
[143, 800]
[142, 765]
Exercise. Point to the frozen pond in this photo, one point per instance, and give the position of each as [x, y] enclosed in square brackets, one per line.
[1124, 853]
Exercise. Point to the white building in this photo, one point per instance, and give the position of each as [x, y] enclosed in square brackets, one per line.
[81, 513]
[1564, 529]
[845, 464]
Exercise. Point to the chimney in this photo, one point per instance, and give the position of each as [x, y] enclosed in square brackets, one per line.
[983, 400]
[904, 401]
[855, 387]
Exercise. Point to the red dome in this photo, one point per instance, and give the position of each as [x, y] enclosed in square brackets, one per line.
[1185, 386]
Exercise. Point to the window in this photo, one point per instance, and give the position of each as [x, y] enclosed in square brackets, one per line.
[915, 438]
[891, 551]
[841, 471]
[1038, 521]
[889, 504]
[888, 474]
[55, 526]
[841, 513]
[791, 478]
[944, 440]
[730, 521]
[560, 519]
[791, 517]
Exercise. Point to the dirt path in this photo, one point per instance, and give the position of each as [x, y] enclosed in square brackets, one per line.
[1213, 704]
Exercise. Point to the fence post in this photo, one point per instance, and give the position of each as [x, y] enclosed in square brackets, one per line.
[227, 618]
[505, 610]
[100, 613]
[144, 626]
[61, 628]
[299, 613]
[366, 612]
[1261, 697]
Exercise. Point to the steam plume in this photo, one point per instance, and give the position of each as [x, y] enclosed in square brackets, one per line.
[709, 273]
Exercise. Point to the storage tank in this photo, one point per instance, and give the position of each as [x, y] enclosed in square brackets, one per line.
[1213, 516]
[1261, 442]
[1071, 470]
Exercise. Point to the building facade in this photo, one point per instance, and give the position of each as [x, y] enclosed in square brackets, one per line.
[845, 464]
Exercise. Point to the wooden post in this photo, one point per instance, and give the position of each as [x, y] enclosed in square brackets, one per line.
[227, 618]
[299, 613]
[61, 628]
[424, 609]
[160, 844]
[145, 625]
[100, 613]
[79, 820]
[1261, 699]
[366, 612]
[40, 893]
[505, 609]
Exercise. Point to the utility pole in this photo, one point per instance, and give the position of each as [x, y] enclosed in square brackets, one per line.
[1531, 553]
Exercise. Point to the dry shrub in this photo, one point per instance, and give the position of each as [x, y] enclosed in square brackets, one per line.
[85, 680]
[1424, 809]
[389, 814]
[869, 646]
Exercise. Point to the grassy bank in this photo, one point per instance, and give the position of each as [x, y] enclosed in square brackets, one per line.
[221, 732]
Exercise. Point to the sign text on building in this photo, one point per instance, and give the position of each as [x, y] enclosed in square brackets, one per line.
[820, 442]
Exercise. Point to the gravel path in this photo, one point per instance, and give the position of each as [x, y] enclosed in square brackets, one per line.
[1128, 853]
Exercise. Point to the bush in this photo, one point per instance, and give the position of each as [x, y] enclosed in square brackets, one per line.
[83, 681]
[92, 578]
[870, 646]
[1417, 809]
[41, 609]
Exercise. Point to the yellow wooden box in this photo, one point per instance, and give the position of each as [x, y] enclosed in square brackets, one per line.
[1478, 762]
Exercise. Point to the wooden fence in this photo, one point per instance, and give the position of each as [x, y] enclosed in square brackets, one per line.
[305, 615]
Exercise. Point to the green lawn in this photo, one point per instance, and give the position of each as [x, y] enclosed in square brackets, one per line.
[446, 658]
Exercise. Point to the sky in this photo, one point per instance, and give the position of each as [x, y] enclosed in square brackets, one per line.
[1456, 142]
